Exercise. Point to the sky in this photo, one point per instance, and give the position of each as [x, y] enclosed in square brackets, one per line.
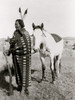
[58, 16]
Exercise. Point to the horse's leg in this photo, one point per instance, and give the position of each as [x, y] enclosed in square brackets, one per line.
[43, 67]
[58, 65]
[55, 65]
[52, 69]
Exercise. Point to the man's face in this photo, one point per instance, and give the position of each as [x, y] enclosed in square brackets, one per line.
[17, 25]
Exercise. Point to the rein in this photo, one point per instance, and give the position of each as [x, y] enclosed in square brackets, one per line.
[43, 33]
[30, 54]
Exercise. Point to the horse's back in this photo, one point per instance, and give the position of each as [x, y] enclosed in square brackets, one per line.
[56, 46]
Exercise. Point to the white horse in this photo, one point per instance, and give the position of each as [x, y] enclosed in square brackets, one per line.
[50, 45]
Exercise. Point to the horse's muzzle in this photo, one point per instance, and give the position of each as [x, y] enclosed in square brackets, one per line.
[35, 50]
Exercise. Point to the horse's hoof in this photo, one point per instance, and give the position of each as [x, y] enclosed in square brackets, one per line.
[53, 82]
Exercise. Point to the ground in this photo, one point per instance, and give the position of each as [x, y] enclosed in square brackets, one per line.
[63, 89]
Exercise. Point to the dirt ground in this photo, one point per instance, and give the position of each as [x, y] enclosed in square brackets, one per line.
[63, 89]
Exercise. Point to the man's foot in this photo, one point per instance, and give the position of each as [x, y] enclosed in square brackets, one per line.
[19, 88]
[26, 92]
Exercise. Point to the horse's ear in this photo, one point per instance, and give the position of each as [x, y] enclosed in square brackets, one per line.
[42, 25]
[33, 25]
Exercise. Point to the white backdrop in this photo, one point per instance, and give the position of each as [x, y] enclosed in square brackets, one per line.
[58, 16]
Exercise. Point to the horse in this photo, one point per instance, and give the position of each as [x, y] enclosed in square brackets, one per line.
[48, 45]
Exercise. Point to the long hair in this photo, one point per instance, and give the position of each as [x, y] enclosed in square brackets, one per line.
[21, 23]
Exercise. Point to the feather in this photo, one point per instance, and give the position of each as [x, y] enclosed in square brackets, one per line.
[19, 10]
[20, 13]
[26, 11]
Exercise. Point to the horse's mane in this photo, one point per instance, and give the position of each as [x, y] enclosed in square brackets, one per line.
[38, 27]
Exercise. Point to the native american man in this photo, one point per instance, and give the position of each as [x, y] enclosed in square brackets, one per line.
[20, 48]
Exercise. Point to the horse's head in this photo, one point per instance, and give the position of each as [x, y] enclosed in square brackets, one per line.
[37, 36]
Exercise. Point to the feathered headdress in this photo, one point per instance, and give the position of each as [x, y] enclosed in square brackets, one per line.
[23, 16]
